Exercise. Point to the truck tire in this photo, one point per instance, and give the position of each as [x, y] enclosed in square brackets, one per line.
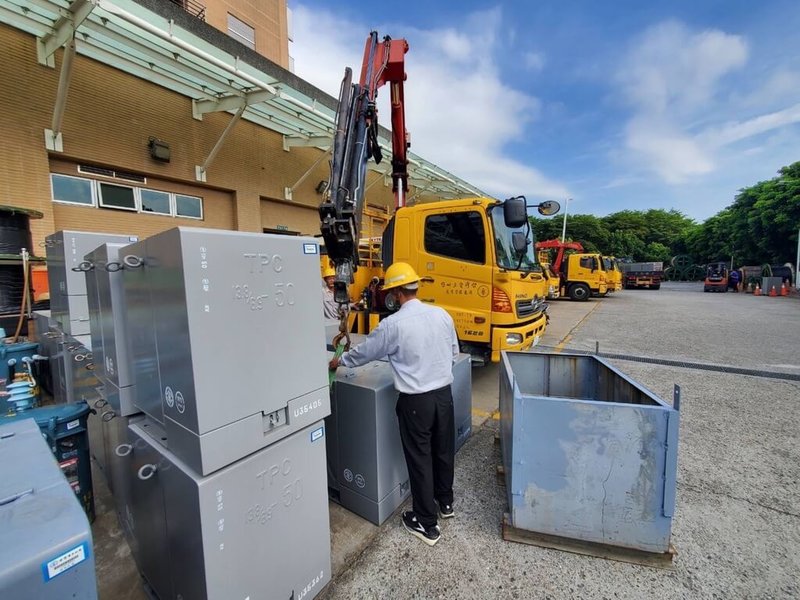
[655, 286]
[579, 292]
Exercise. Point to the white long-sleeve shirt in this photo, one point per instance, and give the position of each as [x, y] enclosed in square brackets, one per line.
[421, 344]
[329, 306]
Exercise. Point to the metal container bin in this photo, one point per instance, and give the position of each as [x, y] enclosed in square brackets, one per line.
[227, 343]
[366, 468]
[45, 539]
[588, 453]
[258, 528]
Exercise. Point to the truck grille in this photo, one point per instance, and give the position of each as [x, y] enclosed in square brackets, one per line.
[526, 308]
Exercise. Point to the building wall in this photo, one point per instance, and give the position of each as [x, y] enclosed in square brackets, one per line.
[266, 17]
[108, 120]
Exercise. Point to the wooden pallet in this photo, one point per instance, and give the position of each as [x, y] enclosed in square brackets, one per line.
[628, 555]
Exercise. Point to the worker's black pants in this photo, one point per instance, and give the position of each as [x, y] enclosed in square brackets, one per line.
[426, 430]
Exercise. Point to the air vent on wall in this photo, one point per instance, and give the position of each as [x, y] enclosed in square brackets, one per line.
[122, 175]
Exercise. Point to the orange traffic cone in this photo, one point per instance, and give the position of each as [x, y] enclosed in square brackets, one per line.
[784, 289]
[757, 291]
[772, 292]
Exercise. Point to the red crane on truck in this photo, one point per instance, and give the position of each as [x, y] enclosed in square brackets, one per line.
[355, 142]
[560, 247]
[580, 274]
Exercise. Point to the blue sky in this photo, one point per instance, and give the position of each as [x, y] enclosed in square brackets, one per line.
[617, 105]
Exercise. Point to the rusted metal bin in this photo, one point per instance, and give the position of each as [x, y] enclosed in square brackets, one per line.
[588, 453]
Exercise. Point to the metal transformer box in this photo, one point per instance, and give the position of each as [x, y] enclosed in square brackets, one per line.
[588, 453]
[107, 316]
[366, 467]
[68, 299]
[74, 377]
[226, 332]
[119, 477]
[258, 528]
[45, 539]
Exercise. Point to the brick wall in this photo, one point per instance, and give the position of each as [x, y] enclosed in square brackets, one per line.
[109, 118]
[266, 17]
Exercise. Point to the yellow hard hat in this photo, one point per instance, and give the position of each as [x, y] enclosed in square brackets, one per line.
[400, 274]
[328, 272]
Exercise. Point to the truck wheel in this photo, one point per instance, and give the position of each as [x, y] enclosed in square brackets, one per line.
[580, 292]
[656, 286]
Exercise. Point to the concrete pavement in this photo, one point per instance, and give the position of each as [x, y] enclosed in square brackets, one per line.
[737, 525]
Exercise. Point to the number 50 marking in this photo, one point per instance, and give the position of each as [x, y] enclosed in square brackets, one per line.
[284, 295]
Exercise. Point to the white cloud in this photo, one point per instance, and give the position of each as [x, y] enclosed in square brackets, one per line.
[673, 70]
[460, 114]
[671, 79]
[673, 155]
[735, 131]
[693, 104]
[779, 87]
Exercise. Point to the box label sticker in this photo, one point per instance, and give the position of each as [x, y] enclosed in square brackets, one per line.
[309, 248]
[317, 433]
[64, 562]
[73, 424]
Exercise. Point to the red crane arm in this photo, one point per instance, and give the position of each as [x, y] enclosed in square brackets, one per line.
[560, 246]
[355, 142]
[388, 66]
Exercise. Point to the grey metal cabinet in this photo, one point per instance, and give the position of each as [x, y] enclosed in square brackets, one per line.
[257, 528]
[194, 288]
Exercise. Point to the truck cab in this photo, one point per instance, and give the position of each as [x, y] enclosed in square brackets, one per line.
[474, 266]
[582, 276]
[613, 274]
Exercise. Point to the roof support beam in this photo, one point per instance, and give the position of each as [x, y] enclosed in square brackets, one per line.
[289, 191]
[52, 137]
[63, 30]
[200, 171]
[232, 69]
[290, 141]
[201, 107]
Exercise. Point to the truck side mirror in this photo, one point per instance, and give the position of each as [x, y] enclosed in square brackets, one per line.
[515, 214]
[549, 207]
[520, 242]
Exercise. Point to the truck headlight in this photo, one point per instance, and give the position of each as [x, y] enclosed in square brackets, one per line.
[513, 338]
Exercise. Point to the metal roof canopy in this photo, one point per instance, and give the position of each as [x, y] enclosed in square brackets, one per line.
[127, 36]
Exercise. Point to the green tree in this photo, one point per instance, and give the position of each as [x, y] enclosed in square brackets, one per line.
[759, 226]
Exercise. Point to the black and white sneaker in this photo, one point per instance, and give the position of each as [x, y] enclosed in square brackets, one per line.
[446, 511]
[430, 535]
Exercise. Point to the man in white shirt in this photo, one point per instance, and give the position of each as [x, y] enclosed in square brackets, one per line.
[421, 344]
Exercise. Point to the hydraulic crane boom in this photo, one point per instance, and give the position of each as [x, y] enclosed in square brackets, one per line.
[560, 246]
[355, 142]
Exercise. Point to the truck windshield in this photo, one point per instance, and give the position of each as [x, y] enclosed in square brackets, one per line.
[506, 257]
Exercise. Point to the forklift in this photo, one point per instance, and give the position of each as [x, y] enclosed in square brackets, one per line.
[716, 278]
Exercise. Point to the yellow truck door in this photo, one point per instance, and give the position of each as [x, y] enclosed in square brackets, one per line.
[454, 260]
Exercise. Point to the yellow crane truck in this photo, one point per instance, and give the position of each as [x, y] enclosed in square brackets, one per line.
[581, 275]
[475, 256]
[476, 260]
